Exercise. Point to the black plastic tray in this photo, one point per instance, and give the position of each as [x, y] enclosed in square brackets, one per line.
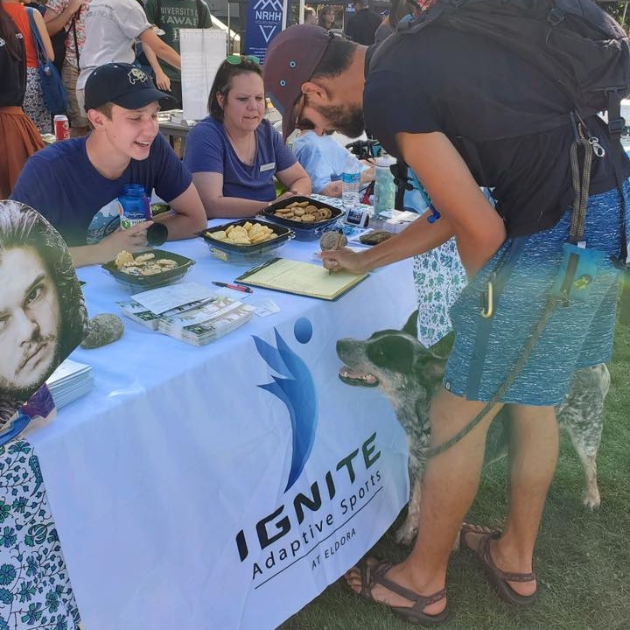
[284, 234]
[302, 230]
[156, 280]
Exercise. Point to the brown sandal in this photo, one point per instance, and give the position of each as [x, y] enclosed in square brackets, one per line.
[498, 578]
[373, 575]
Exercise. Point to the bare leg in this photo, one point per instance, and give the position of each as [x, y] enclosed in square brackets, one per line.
[533, 456]
[449, 487]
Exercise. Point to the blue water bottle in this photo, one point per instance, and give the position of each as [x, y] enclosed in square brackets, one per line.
[133, 206]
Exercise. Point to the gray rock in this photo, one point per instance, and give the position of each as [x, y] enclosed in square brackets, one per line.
[103, 329]
[332, 240]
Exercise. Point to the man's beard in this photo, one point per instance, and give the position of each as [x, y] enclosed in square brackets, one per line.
[347, 120]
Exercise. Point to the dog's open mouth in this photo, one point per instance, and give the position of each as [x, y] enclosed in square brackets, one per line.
[363, 379]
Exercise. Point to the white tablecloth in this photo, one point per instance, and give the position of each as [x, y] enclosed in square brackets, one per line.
[169, 483]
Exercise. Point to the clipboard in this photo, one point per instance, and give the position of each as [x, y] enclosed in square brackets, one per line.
[300, 278]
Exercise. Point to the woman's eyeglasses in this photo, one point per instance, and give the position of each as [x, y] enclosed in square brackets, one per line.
[237, 60]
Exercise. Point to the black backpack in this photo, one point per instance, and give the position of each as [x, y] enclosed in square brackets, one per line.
[573, 42]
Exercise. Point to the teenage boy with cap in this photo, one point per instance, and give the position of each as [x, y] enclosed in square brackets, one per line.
[520, 139]
[71, 182]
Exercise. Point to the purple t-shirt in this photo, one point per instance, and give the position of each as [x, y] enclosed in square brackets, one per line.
[208, 149]
[62, 185]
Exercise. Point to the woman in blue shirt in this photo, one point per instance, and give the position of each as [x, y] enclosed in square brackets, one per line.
[235, 153]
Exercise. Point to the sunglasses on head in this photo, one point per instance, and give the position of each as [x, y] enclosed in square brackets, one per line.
[237, 60]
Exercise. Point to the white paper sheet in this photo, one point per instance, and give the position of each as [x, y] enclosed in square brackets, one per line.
[166, 298]
[202, 52]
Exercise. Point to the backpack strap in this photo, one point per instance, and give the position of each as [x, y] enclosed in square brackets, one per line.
[616, 122]
[581, 179]
[42, 55]
[73, 28]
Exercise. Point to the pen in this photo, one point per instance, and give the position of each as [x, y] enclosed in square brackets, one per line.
[234, 287]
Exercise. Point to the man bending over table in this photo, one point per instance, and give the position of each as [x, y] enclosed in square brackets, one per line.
[456, 137]
[75, 183]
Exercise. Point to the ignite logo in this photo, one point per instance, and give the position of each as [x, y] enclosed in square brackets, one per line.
[284, 529]
[295, 388]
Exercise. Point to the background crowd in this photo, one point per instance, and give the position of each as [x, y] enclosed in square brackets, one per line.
[77, 36]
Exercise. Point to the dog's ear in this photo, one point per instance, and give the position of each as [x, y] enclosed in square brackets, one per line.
[428, 365]
[444, 346]
[427, 362]
[438, 355]
[435, 365]
[411, 327]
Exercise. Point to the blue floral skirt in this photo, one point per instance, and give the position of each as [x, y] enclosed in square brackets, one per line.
[439, 278]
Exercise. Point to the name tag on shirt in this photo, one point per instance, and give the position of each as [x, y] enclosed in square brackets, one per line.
[267, 167]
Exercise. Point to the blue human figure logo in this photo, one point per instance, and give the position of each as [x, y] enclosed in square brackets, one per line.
[295, 387]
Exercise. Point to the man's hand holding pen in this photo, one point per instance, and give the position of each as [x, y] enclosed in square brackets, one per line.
[343, 259]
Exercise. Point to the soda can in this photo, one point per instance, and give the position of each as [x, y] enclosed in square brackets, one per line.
[62, 127]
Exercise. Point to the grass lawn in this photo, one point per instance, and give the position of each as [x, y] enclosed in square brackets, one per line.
[582, 558]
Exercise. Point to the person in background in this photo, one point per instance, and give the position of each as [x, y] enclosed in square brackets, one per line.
[69, 15]
[171, 16]
[323, 159]
[310, 16]
[110, 33]
[19, 138]
[363, 24]
[326, 18]
[34, 98]
[70, 182]
[234, 154]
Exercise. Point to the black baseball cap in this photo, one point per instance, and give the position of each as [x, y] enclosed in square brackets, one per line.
[122, 84]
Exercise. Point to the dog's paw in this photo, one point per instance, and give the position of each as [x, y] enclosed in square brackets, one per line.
[591, 499]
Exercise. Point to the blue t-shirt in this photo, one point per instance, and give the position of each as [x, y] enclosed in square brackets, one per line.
[62, 185]
[208, 150]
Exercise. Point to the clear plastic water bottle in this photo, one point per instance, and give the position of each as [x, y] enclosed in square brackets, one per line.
[384, 187]
[134, 206]
[350, 182]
